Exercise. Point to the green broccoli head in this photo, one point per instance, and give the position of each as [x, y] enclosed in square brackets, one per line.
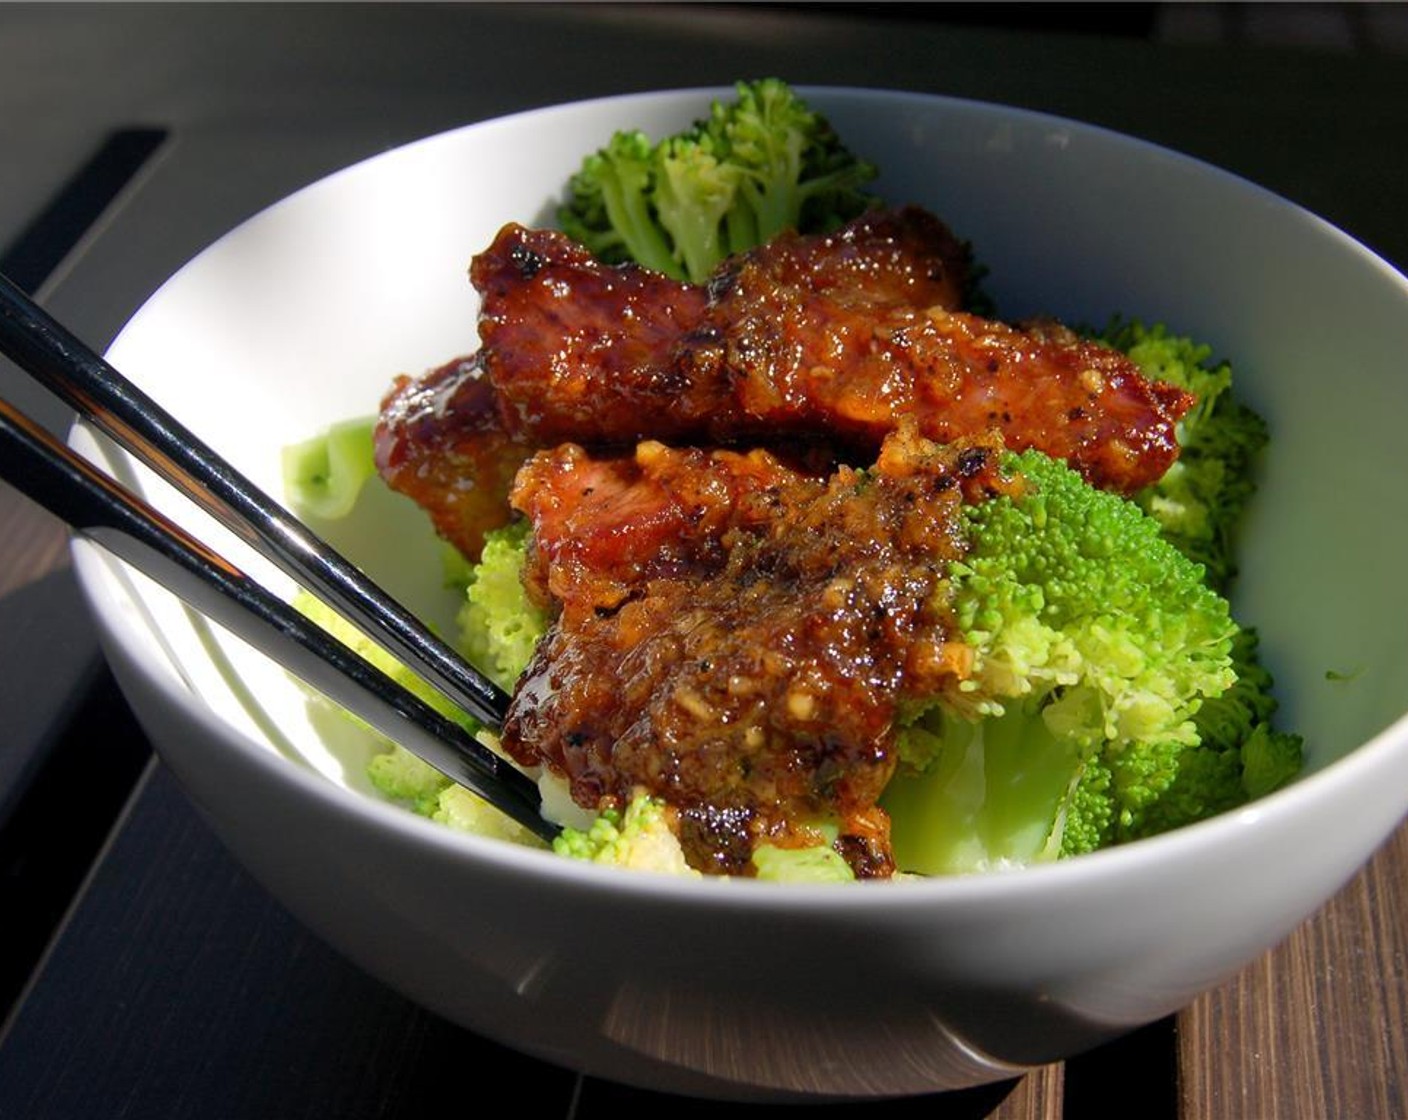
[1072, 593]
[323, 615]
[795, 172]
[500, 629]
[641, 838]
[696, 189]
[1239, 757]
[611, 208]
[1240, 724]
[407, 778]
[1096, 643]
[753, 167]
[1200, 501]
[499, 626]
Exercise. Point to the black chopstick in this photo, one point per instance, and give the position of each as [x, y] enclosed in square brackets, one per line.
[100, 509]
[97, 506]
[56, 358]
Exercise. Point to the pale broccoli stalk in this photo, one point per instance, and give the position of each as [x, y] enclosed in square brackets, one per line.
[980, 794]
[324, 475]
[1201, 499]
[1096, 643]
[753, 167]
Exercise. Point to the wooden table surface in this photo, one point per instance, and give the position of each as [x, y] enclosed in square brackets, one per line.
[156, 979]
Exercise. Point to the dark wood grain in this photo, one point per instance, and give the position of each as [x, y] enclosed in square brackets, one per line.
[1038, 1096]
[1316, 1027]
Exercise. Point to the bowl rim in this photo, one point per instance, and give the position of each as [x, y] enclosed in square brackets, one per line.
[1047, 879]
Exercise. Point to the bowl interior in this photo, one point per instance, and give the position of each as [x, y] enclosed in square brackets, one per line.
[303, 315]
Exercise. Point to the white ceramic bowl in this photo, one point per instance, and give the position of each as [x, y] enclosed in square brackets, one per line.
[741, 989]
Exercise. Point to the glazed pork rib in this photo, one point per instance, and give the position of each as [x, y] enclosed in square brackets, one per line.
[834, 338]
[452, 442]
[440, 441]
[736, 636]
[826, 340]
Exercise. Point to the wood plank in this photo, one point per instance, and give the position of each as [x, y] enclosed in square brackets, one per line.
[1316, 1027]
[1038, 1096]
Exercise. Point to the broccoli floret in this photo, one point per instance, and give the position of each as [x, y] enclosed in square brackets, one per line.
[1200, 500]
[1096, 643]
[642, 839]
[611, 209]
[404, 777]
[1239, 757]
[820, 862]
[395, 772]
[499, 627]
[401, 776]
[753, 167]
[1239, 723]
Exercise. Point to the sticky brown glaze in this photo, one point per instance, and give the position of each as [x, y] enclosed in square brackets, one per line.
[589, 353]
[883, 258]
[440, 441]
[746, 662]
[799, 361]
[599, 354]
[836, 339]
[605, 526]
[584, 352]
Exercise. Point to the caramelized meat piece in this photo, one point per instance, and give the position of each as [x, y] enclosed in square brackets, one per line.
[600, 354]
[602, 528]
[801, 362]
[581, 351]
[883, 258]
[736, 636]
[440, 441]
[829, 338]
[452, 443]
